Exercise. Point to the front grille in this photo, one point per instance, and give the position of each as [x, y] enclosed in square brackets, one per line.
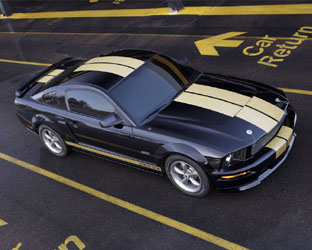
[266, 138]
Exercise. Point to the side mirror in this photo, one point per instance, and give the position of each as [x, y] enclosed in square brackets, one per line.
[110, 120]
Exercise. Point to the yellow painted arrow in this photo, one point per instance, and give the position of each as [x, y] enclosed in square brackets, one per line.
[3, 223]
[207, 46]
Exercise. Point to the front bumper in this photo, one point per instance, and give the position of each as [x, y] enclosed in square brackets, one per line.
[259, 168]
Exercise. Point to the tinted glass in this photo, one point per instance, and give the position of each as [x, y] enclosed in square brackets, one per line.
[53, 99]
[89, 103]
[151, 87]
[102, 79]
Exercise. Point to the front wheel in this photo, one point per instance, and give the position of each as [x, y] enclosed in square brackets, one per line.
[187, 176]
[52, 141]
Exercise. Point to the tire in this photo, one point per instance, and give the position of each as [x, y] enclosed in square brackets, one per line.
[52, 141]
[187, 176]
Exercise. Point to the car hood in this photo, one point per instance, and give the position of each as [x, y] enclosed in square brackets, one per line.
[219, 129]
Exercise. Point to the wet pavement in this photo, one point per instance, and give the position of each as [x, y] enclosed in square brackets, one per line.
[42, 213]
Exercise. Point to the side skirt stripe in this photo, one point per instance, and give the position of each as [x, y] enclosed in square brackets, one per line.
[117, 157]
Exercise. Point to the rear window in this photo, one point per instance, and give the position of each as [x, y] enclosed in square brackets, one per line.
[51, 98]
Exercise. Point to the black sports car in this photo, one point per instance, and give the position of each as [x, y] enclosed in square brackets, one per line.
[153, 112]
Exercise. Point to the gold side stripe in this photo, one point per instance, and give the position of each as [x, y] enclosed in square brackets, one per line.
[222, 94]
[104, 142]
[45, 79]
[286, 133]
[24, 118]
[55, 72]
[127, 61]
[279, 145]
[109, 68]
[256, 118]
[142, 164]
[172, 67]
[206, 102]
[266, 108]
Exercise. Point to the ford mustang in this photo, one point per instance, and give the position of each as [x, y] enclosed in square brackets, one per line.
[153, 112]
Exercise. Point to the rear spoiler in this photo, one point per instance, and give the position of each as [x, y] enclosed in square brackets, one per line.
[20, 92]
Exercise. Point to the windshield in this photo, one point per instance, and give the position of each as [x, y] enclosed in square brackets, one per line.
[151, 87]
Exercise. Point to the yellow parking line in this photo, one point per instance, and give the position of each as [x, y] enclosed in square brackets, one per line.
[127, 205]
[23, 62]
[283, 9]
[298, 91]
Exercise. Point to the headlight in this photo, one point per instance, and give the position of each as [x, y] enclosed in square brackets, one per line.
[235, 157]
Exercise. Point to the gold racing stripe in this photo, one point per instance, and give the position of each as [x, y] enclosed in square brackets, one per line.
[45, 79]
[118, 157]
[172, 67]
[126, 61]
[55, 72]
[256, 118]
[266, 108]
[210, 103]
[52, 74]
[279, 145]
[254, 110]
[286, 133]
[106, 67]
[222, 94]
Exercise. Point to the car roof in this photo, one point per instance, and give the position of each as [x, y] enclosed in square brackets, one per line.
[106, 70]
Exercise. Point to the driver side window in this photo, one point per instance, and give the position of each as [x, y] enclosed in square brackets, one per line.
[88, 102]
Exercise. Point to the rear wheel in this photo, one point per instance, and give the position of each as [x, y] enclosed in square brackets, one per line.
[187, 176]
[52, 141]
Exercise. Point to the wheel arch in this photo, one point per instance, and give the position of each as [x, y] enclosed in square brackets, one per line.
[40, 119]
[180, 149]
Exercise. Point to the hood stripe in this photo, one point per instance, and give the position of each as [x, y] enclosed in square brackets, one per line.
[266, 108]
[254, 110]
[210, 103]
[126, 61]
[257, 118]
[222, 94]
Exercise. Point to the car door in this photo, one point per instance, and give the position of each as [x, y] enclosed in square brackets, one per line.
[87, 108]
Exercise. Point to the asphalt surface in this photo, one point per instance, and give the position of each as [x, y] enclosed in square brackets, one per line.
[42, 213]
